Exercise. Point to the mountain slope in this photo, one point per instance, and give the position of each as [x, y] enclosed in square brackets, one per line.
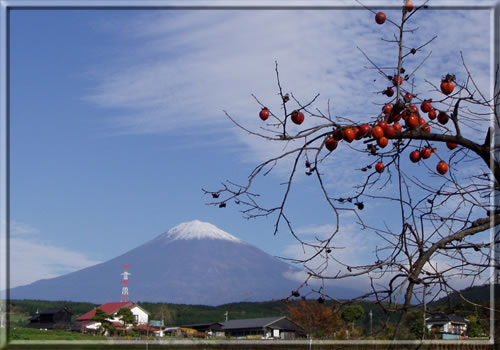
[193, 263]
[476, 294]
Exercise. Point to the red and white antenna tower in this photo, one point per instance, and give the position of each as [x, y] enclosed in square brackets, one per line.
[125, 275]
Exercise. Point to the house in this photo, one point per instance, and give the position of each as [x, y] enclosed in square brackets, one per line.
[449, 326]
[141, 316]
[213, 329]
[268, 327]
[55, 318]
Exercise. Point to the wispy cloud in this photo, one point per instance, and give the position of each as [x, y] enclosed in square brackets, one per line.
[192, 64]
[354, 247]
[32, 258]
[20, 228]
[350, 246]
[182, 68]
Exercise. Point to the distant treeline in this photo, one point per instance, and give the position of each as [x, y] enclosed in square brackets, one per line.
[180, 314]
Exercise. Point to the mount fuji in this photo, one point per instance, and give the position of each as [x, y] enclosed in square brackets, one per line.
[193, 263]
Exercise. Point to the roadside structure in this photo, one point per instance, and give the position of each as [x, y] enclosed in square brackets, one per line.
[54, 318]
[447, 326]
[267, 327]
[140, 315]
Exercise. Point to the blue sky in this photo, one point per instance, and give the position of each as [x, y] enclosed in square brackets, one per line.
[117, 119]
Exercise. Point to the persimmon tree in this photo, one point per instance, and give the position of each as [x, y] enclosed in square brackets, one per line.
[443, 215]
[319, 320]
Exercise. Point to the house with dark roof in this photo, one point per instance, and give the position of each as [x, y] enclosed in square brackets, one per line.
[54, 318]
[267, 327]
[447, 326]
[141, 316]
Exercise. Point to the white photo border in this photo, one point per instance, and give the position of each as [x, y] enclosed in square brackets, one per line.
[8, 5]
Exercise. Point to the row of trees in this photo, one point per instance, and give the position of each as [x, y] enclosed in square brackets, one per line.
[322, 321]
[440, 220]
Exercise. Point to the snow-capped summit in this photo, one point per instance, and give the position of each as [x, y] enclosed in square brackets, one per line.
[197, 229]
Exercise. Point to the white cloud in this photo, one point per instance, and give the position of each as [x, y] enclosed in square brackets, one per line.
[322, 231]
[20, 228]
[182, 68]
[354, 247]
[32, 259]
[192, 64]
[350, 246]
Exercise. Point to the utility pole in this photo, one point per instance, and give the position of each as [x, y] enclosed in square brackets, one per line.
[371, 323]
[226, 314]
[425, 309]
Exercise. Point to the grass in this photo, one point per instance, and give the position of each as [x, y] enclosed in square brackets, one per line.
[55, 334]
[18, 319]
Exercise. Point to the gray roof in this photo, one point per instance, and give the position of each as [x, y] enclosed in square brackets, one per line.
[51, 311]
[55, 310]
[443, 318]
[250, 322]
[35, 317]
[200, 324]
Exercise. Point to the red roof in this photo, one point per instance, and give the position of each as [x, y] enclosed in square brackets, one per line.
[85, 323]
[108, 308]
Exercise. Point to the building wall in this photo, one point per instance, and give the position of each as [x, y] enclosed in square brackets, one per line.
[447, 328]
[289, 326]
[287, 335]
[242, 332]
[142, 317]
[62, 317]
[93, 326]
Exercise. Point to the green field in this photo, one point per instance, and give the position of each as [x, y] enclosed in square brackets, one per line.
[57, 334]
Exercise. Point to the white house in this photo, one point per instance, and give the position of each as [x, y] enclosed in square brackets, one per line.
[141, 316]
[448, 326]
